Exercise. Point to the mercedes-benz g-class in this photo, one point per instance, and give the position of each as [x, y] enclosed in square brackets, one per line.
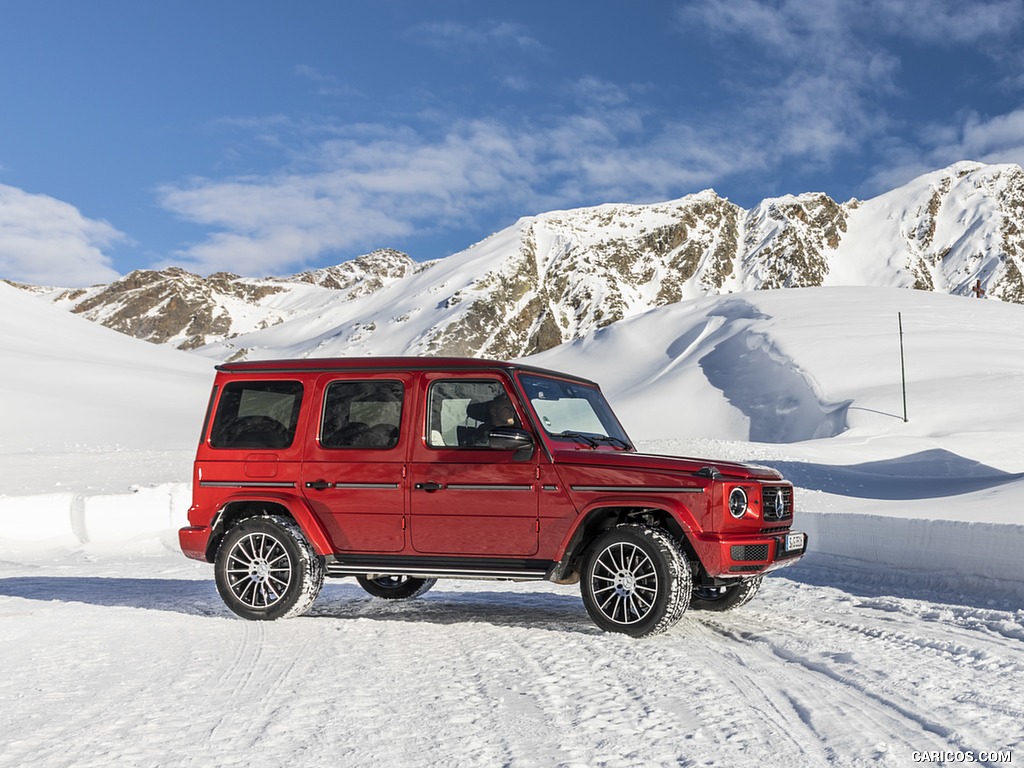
[401, 471]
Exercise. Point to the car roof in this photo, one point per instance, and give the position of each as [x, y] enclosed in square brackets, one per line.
[368, 364]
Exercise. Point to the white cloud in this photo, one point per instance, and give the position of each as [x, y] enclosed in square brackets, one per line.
[796, 25]
[380, 184]
[326, 84]
[773, 25]
[456, 36]
[364, 192]
[45, 241]
[809, 83]
[946, 21]
[823, 66]
[997, 139]
[515, 83]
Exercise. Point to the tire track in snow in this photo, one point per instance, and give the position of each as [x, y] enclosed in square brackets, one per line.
[261, 685]
[947, 655]
[474, 737]
[737, 710]
[444, 691]
[602, 699]
[849, 722]
[243, 658]
[916, 699]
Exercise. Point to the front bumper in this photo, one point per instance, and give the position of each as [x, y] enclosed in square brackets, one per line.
[732, 556]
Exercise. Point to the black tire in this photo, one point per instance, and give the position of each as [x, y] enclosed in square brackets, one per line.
[266, 569]
[725, 598]
[394, 587]
[636, 580]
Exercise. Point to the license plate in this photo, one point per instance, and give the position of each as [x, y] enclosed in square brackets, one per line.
[794, 541]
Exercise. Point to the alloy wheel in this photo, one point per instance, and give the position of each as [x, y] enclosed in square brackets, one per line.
[625, 583]
[259, 570]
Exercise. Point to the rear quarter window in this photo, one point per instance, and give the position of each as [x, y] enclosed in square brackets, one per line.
[257, 414]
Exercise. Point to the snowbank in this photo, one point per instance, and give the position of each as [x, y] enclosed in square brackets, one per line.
[68, 519]
[972, 555]
[968, 552]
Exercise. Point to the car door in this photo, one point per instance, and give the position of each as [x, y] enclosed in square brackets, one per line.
[466, 498]
[353, 473]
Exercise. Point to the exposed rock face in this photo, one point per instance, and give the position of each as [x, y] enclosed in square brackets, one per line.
[169, 305]
[180, 308]
[555, 277]
[1007, 283]
[364, 274]
[574, 271]
[788, 240]
[962, 226]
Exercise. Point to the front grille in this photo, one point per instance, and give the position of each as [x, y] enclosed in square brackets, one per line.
[747, 552]
[777, 502]
[744, 568]
[776, 529]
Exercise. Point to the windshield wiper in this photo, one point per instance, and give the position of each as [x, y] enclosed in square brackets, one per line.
[595, 440]
[612, 440]
[588, 439]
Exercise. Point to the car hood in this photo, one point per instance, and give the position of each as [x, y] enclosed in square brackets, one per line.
[658, 463]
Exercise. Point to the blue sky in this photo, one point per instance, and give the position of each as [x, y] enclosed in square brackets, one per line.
[268, 137]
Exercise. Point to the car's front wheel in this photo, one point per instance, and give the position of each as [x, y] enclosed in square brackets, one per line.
[725, 598]
[394, 587]
[636, 580]
[266, 569]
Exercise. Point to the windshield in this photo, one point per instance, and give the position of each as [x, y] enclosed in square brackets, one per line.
[573, 411]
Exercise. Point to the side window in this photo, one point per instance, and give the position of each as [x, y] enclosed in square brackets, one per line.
[362, 414]
[257, 414]
[461, 413]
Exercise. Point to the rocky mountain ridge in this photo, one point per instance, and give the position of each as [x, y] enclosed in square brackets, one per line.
[554, 277]
[173, 306]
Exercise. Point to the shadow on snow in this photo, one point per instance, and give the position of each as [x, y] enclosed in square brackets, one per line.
[925, 475]
[546, 611]
[337, 600]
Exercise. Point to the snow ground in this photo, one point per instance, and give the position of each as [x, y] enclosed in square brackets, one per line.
[902, 631]
[114, 659]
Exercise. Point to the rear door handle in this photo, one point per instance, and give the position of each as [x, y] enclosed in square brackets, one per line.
[319, 485]
[429, 487]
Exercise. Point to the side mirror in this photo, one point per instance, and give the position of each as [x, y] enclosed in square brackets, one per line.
[511, 439]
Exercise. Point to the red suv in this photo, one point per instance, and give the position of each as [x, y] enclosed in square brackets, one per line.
[401, 471]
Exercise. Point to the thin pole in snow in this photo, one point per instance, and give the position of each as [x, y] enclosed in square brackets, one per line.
[903, 367]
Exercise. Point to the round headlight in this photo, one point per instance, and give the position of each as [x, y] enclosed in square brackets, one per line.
[738, 503]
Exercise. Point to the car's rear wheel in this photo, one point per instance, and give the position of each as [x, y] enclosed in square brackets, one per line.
[635, 580]
[725, 598]
[394, 587]
[266, 569]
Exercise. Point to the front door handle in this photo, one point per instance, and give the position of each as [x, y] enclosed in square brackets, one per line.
[319, 485]
[429, 487]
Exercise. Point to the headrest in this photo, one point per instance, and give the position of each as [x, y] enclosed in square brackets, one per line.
[479, 411]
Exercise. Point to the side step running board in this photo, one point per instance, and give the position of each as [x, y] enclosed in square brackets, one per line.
[433, 572]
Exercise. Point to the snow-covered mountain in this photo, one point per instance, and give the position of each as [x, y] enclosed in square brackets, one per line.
[176, 307]
[555, 277]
